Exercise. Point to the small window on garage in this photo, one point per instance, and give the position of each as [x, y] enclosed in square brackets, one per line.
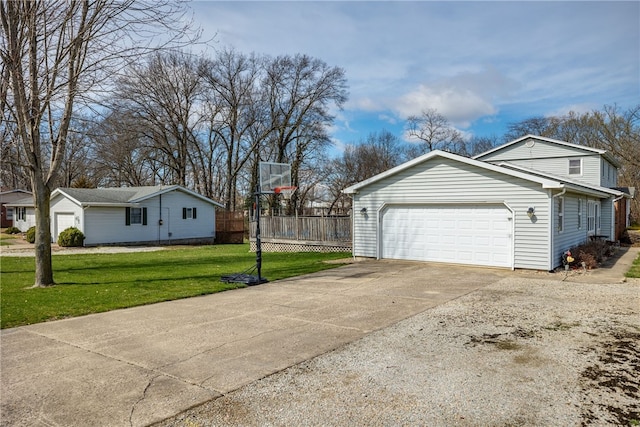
[575, 166]
[189, 213]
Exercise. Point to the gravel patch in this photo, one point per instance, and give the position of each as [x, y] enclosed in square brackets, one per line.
[29, 251]
[521, 351]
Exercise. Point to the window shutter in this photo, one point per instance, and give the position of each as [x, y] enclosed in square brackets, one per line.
[144, 216]
[127, 219]
[194, 213]
[184, 213]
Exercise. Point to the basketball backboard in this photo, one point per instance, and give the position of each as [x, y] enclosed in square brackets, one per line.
[274, 175]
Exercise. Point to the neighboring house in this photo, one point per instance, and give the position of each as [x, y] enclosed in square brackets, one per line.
[6, 212]
[134, 215]
[24, 214]
[520, 205]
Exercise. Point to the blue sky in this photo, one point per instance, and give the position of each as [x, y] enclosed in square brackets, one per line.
[480, 64]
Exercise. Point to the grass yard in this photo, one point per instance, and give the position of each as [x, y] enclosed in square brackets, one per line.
[102, 282]
[634, 271]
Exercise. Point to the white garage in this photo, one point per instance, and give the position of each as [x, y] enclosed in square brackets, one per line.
[442, 207]
[465, 234]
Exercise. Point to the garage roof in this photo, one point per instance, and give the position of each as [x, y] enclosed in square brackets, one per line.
[545, 182]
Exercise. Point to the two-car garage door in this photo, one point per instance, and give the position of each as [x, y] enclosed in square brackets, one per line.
[463, 234]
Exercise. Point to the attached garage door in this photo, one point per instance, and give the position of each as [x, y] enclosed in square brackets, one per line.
[63, 221]
[463, 234]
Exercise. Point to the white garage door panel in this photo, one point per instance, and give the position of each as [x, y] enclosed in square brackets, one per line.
[479, 235]
[63, 221]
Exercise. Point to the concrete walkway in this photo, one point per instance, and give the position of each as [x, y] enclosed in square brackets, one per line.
[142, 365]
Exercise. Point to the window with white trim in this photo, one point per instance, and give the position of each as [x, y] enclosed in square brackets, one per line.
[593, 217]
[21, 213]
[189, 213]
[575, 166]
[560, 214]
[135, 216]
[580, 208]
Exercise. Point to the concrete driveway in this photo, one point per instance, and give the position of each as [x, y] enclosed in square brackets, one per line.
[141, 365]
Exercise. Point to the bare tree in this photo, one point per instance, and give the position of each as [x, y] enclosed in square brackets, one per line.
[164, 96]
[435, 132]
[611, 128]
[377, 153]
[56, 54]
[301, 90]
[233, 111]
[480, 144]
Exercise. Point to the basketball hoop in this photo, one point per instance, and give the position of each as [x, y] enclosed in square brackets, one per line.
[285, 191]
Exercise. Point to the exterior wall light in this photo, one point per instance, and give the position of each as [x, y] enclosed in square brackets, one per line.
[363, 211]
[531, 212]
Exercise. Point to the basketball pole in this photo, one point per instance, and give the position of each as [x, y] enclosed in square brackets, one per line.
[258, 244]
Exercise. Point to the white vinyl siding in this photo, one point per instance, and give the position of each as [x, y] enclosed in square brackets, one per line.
[551, 158]
[443, 180]
[62, 211]
[107, 224]
[572, 235]
[26, 220]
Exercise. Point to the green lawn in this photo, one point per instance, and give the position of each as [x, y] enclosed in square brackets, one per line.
[634, 271]
[102, 282]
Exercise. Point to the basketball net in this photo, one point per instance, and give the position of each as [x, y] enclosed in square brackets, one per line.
[285, 192]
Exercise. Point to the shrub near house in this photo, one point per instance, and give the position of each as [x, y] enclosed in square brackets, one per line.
[71, 237]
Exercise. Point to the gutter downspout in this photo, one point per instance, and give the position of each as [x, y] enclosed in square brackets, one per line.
[613, 217]
[552, 228]
[353, 226]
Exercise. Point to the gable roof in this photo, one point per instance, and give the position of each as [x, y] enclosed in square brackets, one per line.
[13, 195]
[546, 183]
[122, 196]
[571, 184]
[546, 180]
[591, 150]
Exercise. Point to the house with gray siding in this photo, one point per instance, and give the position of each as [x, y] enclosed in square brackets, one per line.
[501, 209]
[134, 215]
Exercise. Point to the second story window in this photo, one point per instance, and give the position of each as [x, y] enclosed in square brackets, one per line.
[575, 166]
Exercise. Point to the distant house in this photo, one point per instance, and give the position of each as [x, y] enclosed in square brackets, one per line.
[7, 212]
[133, 215]
[520, 205]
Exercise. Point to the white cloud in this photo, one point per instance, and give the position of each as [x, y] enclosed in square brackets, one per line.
[459, 105]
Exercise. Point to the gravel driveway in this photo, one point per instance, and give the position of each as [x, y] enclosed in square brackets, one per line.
[523, 351]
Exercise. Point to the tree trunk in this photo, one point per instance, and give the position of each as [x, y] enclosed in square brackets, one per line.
[42, 200]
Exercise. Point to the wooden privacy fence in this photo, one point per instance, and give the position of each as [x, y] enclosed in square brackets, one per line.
[281, 233]
[229, 227]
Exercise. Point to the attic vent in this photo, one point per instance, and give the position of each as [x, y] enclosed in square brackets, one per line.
[530, 143]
